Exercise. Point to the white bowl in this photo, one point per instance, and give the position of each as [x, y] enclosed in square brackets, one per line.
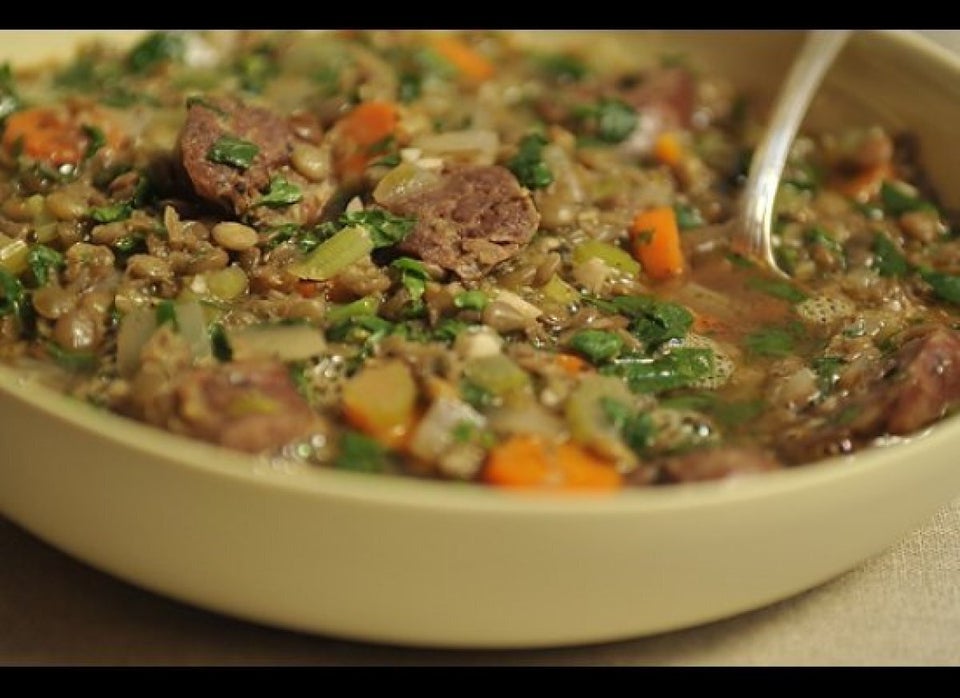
[427, 563]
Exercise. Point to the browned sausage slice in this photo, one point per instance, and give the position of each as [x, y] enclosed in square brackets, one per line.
[476, 218]
[248, 406]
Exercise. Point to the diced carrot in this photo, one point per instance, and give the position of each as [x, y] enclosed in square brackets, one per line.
[656, 243]
[866, 184]
[307, 288]
[471, 64]
[45, 134]
[667, 149]
[381, 402]
[369, 123]
[531, 461]
[571, 363]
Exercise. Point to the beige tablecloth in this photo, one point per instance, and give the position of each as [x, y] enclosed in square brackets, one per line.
[901, 608]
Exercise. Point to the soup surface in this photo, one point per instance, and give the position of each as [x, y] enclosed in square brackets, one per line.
[453, 256]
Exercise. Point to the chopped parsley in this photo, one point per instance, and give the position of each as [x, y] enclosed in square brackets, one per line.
[888, 260]
[44, 262]
[235, 152]
[385, 229]
[280, 193]
[154, 49]
[528, 165]
[361, 454]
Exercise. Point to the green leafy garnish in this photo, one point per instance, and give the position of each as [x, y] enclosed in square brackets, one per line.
[564, 67]
[681, 367]
[97, 141]
[155, 49]
[75, 361]
[688, 217]
[361, 454]
[528, 165]
[817, 235]
[409, 86]
[778, 288]
[598, 346]
[448, 329]
[219, 344]
[413, 276]
[945, 286]
[609, 120]
[166, 312]
[280, 193]
[897, 200]
[475, 396]
[197, 100]
[256, 68]
[112, 213]
[772, 341]
[635, 429]
[9, 98]
[235, 152]
[471, 300]
[44, 262]
[888, 260]
[385, 229]
[11, 293]
[654, 321]
[826, 368]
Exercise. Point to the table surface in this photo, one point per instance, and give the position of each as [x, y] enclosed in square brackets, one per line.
[900, 608]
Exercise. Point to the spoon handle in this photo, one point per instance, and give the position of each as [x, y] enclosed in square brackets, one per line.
[817, 53]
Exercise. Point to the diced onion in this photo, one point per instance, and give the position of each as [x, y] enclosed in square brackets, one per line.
[284, 342]
[435, 432]
[478, 146]
[136, 327]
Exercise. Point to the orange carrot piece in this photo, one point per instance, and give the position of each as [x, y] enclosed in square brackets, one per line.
[656, 243]
[307, 288]
[45, 134]
[667, 149]
[571, 363]
[471, 64]
[865, 185]
[530, 461]
[368, 124]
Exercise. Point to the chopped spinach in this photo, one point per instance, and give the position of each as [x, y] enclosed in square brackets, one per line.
[112, 213]
[44, 262]
[413, 277]
[280, 193]
[235, 152]
[471, 300]
[654, 321]
[154, 49]
[897, 200]
[9, 98]
[680, 367]
[888, 260]
[945, 286]
[528, 165]
[636, 429]
[360, 453]
[598, 346]
[778, 288]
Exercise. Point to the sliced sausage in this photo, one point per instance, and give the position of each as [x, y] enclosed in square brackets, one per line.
[474, 219]
[248, 406]
[240, 189]
[716, 463]
[921, 385]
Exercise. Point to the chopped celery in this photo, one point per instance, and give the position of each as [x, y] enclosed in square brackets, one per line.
[496, 373]
[611, 255]
[334, 255]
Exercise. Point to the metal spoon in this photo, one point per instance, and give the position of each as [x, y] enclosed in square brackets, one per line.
[752, 234]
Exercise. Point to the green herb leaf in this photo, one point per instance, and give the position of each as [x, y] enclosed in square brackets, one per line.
[154, 49]
[11, 293]
[688, 217]
[97, 141]
[219, 343]
[166, 312]
[528, 165]
[471, 300]
[888, 260]
[9, 98]
[598, 346]
[44, 262]
[564, 67]
[826, 368]
[772, 341]
[235, 152]
[201, 102]
[448, 329]
[385, 228]
[610, 120]
[112, 213]
[361, 454]
[75, 361]
[897, 200]
[636, 429]
[280, 193]
[945, 286]
[413, 276]
[778, 288]
[477, 397]
[409, 87]
[677, 369]
[256, 68]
